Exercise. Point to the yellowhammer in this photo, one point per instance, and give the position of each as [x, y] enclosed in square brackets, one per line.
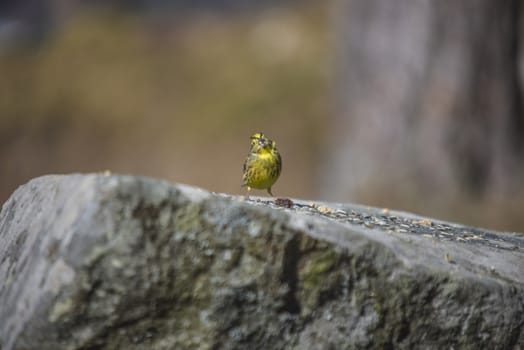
[263, 164]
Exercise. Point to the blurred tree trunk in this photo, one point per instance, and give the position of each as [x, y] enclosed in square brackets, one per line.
[429, 101]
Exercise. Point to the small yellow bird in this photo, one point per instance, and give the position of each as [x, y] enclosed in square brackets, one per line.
[263, 164]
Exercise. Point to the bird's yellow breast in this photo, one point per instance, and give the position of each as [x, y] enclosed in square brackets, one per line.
[266, 155]
[262, 170]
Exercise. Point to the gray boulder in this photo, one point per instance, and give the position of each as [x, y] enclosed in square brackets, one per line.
[121, 262]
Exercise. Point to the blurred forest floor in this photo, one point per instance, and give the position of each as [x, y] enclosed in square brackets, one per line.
[169, 97]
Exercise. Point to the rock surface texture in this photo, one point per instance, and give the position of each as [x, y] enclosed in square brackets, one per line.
[121, 262]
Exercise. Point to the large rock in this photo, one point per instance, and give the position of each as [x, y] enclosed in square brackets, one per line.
[119, 262]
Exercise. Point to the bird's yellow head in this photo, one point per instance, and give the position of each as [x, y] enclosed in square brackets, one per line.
[260, 143]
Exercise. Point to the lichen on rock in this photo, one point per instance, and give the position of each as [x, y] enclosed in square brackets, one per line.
[121, 262]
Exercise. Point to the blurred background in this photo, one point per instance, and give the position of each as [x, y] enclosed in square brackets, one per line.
[408, 104]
